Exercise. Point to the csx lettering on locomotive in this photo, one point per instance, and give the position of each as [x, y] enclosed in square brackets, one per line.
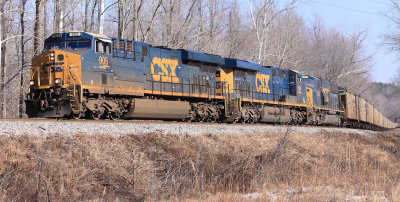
[262, 83]
[326, 92]
[56, 68]
[164, 69]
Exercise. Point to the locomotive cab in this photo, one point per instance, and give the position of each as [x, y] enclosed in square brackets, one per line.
[56, 75]
[77, 68]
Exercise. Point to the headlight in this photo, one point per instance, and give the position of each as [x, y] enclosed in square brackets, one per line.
[52, 56]
[32, 83]
[57, 81]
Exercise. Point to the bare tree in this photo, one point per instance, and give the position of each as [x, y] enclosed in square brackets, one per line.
[262, 19]
[3, 48]
[392, 38]
[59, 16]
[38, 27]
[137, 6]
[101, 16]
[44, 19]
[396, 77]
[22, 42]
[234, 24]
[146, 33]
[121, 18]
[85, 18]
[285, 42]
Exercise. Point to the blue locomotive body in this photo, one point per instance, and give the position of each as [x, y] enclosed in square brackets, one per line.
[121, 78]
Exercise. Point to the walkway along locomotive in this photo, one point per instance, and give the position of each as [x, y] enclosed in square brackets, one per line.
[84, 74]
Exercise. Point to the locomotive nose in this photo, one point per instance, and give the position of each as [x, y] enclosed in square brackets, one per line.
[51, 69]
[47, 69]
[55, 82]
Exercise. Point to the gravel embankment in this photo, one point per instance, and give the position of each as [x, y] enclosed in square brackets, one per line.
[51, 127]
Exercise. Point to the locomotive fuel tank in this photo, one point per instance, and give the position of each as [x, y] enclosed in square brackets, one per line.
[158, 109]
[275, 115]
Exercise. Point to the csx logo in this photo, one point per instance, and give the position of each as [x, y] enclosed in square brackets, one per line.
[326, 92]
[163, 69]
[262, 83]
[52, 68]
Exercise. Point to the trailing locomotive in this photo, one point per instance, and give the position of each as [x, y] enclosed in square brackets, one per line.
[82, 74]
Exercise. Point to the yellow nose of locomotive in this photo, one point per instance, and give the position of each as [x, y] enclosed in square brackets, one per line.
[55, 68]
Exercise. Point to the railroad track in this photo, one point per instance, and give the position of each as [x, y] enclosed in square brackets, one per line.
[49, 127]
[143, 121]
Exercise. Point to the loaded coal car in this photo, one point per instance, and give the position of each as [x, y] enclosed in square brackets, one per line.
[82, 74]
[359, 113]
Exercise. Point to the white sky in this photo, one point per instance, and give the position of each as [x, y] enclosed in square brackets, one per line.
[351, 15]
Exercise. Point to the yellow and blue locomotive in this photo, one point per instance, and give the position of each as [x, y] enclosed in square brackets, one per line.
[85, 74]
[82, 74]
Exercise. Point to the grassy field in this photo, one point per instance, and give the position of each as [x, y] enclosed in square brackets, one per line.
[153, 167]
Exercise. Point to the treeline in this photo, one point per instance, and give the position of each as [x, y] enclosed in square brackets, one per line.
[264, 31]
[386, 97]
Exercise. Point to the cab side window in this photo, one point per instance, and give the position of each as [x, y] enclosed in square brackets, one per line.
[103, 46]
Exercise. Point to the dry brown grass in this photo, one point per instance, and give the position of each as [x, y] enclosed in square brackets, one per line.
[279, 167]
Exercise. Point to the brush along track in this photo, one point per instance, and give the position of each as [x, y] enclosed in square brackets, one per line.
[138, 127]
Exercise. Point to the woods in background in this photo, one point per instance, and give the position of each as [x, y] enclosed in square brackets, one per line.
[263, 31]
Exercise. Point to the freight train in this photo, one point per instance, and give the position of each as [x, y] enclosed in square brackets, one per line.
[82, 74]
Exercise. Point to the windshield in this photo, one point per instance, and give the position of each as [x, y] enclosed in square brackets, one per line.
[74, 44]
[53, 44]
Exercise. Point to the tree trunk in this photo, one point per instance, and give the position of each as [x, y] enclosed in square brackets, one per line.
[121, 11]
[101, 16]
[85, 20]
[72, 19]
[135, 20]
[21, 95]
[61, 19]
[92, 15]
[56, 21]
[3, 50]
[44, 20]
[38, 27]
[59, 6]
[152, 21]
[200, 25]
[212, 22]
[170, 21]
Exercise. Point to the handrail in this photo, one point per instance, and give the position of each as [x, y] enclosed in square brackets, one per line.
[80, 82]
[26, 76]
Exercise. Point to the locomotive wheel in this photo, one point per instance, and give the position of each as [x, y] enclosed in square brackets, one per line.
[114, 116]
[96, 116]
[192, 117]
[252, 120]
[76, 116]
[212, 119]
